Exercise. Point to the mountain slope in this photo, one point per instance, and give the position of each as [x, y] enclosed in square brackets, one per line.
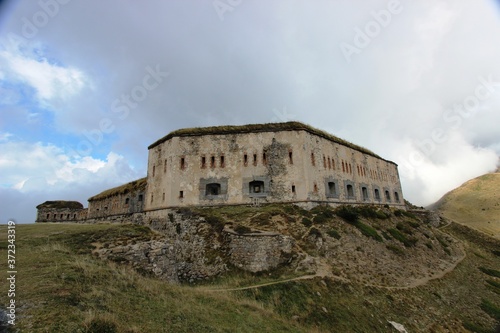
[476, 204]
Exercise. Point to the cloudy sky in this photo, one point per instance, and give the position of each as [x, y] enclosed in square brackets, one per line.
[87, 85]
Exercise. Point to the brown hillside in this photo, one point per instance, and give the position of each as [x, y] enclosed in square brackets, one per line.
[476, 204]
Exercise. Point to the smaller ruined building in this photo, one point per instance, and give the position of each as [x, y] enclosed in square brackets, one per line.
[60, 211]
[242, 165]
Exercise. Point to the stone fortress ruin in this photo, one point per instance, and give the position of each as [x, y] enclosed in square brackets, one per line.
[242, 165]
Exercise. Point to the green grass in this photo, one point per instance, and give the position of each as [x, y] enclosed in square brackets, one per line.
[395, 249]
[406, 240]
[490, 272]
[333, 233]
[491, 309]
[63, 288]
[494, 285]
[368, 231]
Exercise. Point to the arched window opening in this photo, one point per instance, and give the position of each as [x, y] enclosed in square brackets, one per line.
[364, 191]
[396, 196]
[350, 192]
[377, 194]
[387, 196]
[332, 189]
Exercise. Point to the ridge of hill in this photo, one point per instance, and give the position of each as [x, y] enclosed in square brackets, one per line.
[475, 203]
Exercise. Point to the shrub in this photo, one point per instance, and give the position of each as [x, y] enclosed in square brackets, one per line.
[241, 229]
[404, 228]
[400, 212]
[171, 217]
[100, 325]
[314, 232]
[475, 328]
[491, 309]
[216, 222]
[348, 213]
[320, 219]
[386, 235]
[407, 241]
[307, 222]
[413, 224]
[442, 241]
[490, 272]
[372, 212]
[395, 249]
[262, 219]
[333, 233]
[494, 285]
[368, 231]
[326, 211]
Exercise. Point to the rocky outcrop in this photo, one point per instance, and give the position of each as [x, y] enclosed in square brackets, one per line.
[188, 249]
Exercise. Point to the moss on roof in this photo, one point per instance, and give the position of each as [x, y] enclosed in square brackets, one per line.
[136, 185]
[255, 128]
[60, 204]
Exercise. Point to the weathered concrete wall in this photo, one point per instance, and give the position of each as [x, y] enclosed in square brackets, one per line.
[285, 166]
[258, 252]
[61, 215]
[123, 200]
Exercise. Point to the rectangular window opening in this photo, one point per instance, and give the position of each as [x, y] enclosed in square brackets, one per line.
[254, 159]
[293, 188]
[183, 163]
[203, 162]
[212, 161]
[332, 190]
[245, 160]
[222, 161]
[181, 194]
[290, 157]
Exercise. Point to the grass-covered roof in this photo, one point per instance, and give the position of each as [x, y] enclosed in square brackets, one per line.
[60, 204]
[136, 185]
[255, 128]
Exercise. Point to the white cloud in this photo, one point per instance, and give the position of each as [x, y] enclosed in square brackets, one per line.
[50, 81]
[38, 167]
[33, 173]
[4, 136]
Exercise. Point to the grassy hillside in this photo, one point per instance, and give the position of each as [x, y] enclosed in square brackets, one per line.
[62, 287]
[475, 203]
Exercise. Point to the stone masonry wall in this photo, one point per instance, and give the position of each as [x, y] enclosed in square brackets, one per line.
[285, 166]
